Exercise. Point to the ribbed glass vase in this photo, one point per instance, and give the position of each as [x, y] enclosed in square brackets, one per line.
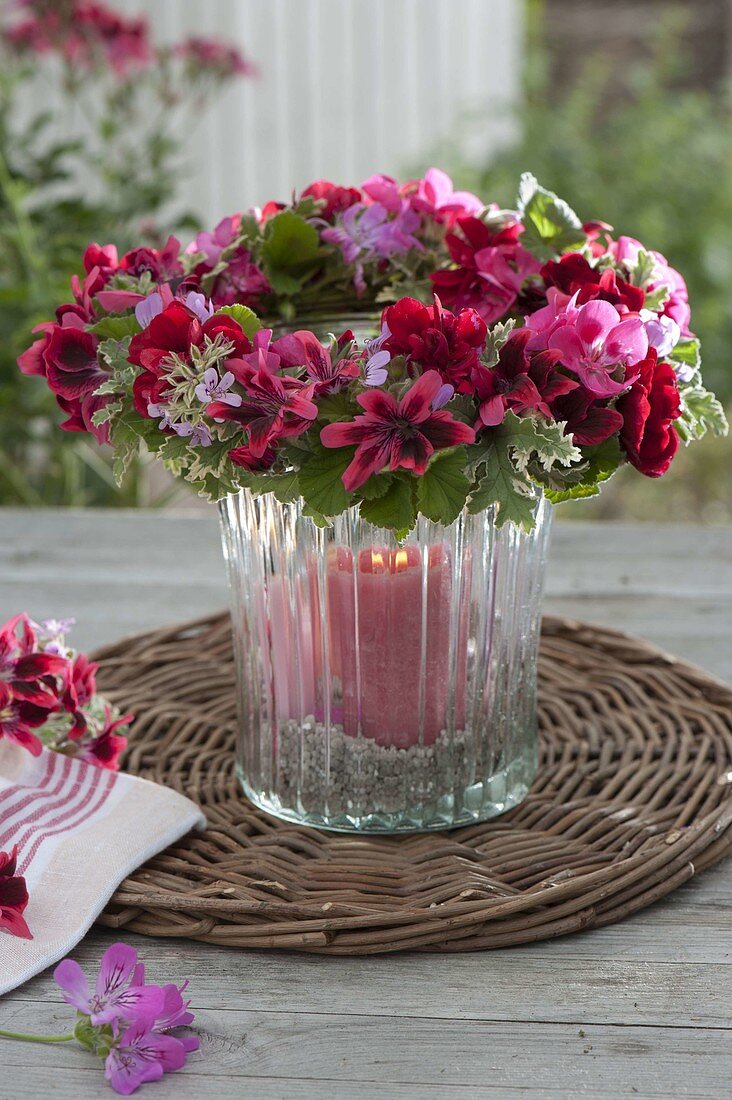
[384, 686]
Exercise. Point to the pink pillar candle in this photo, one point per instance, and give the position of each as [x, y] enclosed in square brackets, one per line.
[389, 640]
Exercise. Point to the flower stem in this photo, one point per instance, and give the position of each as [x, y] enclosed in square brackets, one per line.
[37, 1038]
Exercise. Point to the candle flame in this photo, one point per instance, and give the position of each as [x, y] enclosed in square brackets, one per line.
[401, 561]
[377, 561]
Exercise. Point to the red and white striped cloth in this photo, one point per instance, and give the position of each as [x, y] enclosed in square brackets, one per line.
[80, 830]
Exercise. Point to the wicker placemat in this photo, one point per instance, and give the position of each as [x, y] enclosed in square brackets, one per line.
[634, 795]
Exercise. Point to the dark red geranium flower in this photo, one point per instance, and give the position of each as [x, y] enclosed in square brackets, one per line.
[520, 380]
[162, 263]
[243, 456]
[492, 267]
[105, 750]
[336, 199]
[18, 719]
[80, 688]
[590, 421]
[273, 409]
[304, 349]
[436, 339]
[13, 896]
[573, 273]
[174, 332]
[649, 410]
[102, 257]
[398, 434]
[28, 673]
[72, 369]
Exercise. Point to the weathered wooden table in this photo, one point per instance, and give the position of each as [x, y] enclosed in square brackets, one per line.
[640, 1009]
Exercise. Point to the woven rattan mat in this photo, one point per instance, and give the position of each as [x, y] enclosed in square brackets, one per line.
[634, 795]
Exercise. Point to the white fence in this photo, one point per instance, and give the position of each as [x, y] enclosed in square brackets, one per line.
[346, 88]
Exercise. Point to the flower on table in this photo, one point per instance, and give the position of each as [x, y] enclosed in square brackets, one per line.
[114, 997]
[13, 896]
[142, 1054]
[400, 434]
[48, 695]
[126, 1021]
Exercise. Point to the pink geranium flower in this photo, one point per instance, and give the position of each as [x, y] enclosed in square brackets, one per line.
[436, 196]
[625, 250]
[398, 434]
[141, 1055]
[114, 997]
[598, 343]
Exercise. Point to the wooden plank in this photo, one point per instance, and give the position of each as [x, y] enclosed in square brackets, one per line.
[546, 983]
[462, 1055]
[87, 1084]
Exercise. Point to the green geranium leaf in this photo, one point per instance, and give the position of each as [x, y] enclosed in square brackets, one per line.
[395, 509]
[115, 327]
[656, 299]
[244, 316]
[497, 336]
[443, 489]
[106, 413]
[376, 486]
[528, 436]
[321, 480]
[503, 485]
[601, 462]
[335, 407]
[642, 271]
[286, 487]
[688, 352]
[125, 435]
[290, 251]
[114, 353]
[176, 454]
[551, 226]
[701, 412]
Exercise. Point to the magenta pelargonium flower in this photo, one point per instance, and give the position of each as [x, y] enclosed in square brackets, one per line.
[369, 233]
[401, 433]
[436, 195]
[114, 997]
[597, 343]
[125, 1022]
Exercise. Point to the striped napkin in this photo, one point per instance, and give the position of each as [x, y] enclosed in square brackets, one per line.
[80, 830]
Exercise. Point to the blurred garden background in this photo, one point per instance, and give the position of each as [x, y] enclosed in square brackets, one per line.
[126, 131]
